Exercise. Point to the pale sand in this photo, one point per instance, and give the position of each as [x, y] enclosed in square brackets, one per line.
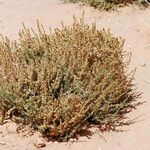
[130, 23]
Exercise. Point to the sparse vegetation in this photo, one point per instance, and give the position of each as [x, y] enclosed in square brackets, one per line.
[58, 82]
[110, 4]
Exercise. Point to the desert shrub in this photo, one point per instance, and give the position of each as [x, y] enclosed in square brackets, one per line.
[101, 4]
[110, 4]
[58, 82]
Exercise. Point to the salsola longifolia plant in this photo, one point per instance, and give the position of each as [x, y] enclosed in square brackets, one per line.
[60, 81]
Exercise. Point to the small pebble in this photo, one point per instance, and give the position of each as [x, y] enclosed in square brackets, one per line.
[2, 142]
[40, 145]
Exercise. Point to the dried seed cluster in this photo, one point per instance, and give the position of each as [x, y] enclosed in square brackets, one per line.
[59, 81]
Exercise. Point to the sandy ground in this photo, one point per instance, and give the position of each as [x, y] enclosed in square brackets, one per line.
[130, 23]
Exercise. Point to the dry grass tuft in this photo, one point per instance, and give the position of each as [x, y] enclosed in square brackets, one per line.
[59, 81]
